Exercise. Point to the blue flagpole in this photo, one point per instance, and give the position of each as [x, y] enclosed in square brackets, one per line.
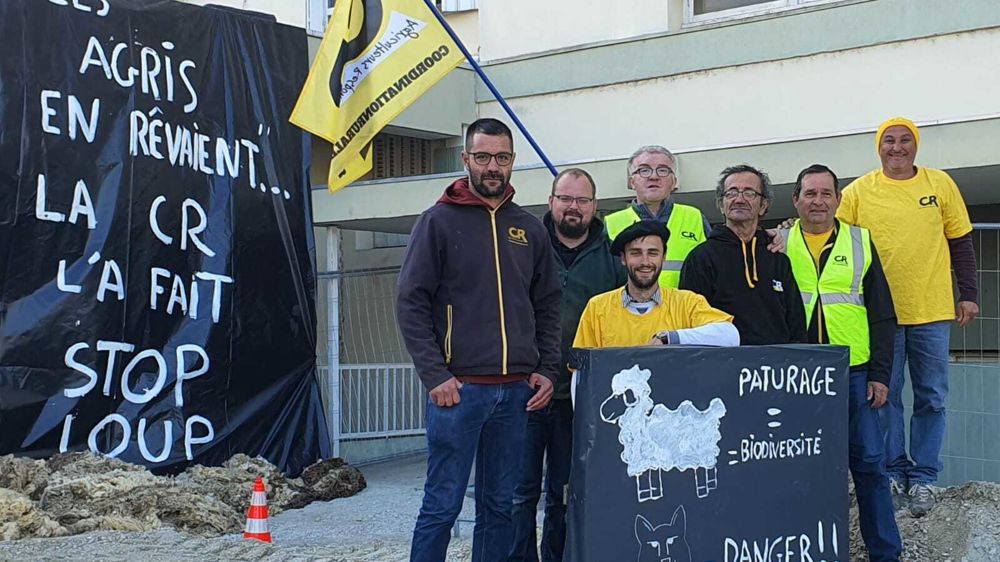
[493, 89]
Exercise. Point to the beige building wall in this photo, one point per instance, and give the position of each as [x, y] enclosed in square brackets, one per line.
[521, 27]
[466, 26]
[290, 12]
[815, 96]
[781, 115]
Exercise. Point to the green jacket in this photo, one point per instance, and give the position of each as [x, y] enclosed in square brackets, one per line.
[594, 271]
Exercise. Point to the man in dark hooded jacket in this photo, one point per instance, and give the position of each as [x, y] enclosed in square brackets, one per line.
[478, 308]
[586, 268]
[734, 271]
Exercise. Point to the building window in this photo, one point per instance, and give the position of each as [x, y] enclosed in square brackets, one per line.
[389, 240]
[701, 11]
[317, 16]
[320, 11]
[396, 156]
[456, 5]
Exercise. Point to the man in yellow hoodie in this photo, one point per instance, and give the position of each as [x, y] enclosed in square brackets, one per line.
[644, 313]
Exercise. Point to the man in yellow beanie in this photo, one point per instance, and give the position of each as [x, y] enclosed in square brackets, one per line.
[921, 227]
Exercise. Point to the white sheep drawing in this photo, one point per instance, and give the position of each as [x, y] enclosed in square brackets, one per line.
[656, 438]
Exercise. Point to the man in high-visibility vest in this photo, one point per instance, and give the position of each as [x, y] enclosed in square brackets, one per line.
[847, 302]
[652, 174]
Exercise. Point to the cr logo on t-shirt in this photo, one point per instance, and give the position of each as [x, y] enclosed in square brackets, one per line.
[928, 201]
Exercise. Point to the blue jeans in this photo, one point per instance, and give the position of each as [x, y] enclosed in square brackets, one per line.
[871, 485]
[488, 424]
[925, 348]
[549, 437]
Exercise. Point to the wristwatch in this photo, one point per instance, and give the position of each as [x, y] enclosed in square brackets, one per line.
[668, 337]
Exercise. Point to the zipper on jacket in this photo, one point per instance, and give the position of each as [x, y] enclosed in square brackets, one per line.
[447, 339]
[503, 323]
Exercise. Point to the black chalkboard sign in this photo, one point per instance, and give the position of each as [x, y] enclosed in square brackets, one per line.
[708, 454]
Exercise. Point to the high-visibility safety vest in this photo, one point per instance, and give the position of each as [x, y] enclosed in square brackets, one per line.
[687, 230]
[839, 287]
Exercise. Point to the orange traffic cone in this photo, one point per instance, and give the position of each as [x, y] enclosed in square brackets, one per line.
[257, 514]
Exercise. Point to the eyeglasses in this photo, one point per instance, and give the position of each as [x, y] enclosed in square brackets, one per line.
[748, 193]
[483, 158]
[647, 172]
[580, 201]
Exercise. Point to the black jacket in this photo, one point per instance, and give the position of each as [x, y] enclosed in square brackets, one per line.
[880, 311]
[463, 260]
[753, 284]
[592, 271]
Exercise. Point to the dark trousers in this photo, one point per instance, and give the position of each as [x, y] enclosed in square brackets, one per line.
[549, 437]
[488, 426]
[871, 484]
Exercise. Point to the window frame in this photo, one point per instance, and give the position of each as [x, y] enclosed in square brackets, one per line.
[449, 6]
[384, 240]
[318, 14]
[764, 8]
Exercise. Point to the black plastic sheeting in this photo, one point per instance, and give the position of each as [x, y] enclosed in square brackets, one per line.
[740, 454]
[156, 245]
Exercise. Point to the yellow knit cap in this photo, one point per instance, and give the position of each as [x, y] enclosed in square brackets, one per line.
[893, 122]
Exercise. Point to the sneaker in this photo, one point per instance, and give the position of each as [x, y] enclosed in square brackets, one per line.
[899, 498]
[921, 499]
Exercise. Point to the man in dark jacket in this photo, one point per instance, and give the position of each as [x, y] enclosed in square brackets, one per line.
[586, 268]
[736, 273]
[478, 308]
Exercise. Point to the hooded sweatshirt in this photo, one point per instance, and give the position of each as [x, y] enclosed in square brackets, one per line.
[478, 291]
[584, 272]
[753, 284]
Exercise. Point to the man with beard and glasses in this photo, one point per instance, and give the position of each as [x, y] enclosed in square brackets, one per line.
[586, 268]
[478, 308]
[735, 271]
[644, 313]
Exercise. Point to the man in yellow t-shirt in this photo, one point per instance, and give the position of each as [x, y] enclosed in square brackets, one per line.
[921, 227]
[642, 312]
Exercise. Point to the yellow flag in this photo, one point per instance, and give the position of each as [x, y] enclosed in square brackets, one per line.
[377, 58]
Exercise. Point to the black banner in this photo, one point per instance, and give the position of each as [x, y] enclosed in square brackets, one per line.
[709, 454]
[156, 249]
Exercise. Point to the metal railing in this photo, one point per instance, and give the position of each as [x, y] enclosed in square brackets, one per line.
[381, 401]
[384, 400]
[979, 342]
[380, 395]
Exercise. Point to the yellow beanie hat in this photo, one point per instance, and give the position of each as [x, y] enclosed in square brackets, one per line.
[893, 122]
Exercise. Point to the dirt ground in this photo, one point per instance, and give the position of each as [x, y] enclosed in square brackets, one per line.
[375, 525]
